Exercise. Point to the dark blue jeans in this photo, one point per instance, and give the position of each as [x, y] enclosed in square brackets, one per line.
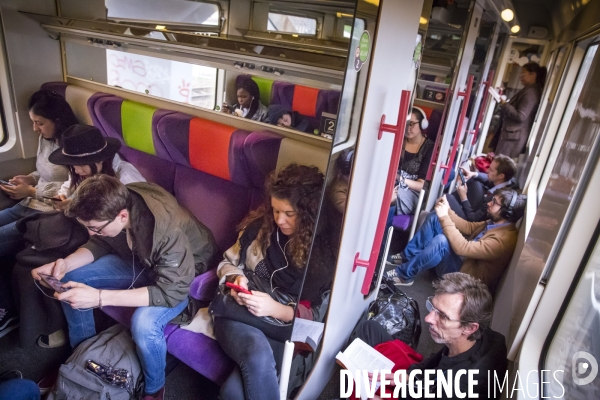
[10, 238]
[19, 389]
[429, 248]
[257, 358]
[147, 324]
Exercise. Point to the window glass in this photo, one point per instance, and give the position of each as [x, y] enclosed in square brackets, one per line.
[575, 346]
[292, 24]
[347, 31]
[173, 80]
[181, 12]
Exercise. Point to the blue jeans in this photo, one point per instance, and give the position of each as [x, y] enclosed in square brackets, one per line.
[10, 237]
[147, 323]
[19, 389]
[429, 248]
[255, 377]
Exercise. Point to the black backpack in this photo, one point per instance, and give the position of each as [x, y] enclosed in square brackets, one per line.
[397, 313]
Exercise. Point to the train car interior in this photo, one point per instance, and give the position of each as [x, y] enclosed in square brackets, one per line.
[413, 112]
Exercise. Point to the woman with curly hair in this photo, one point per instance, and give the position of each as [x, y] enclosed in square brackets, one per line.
[272, 253]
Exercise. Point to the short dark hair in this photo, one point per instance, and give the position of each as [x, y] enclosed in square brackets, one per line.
[506, 166]
[54, 107]
[99, 198]
[539, 71]
[518, 209]
[477, 300]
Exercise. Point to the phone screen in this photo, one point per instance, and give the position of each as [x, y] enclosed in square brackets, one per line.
[462, 177]
[53, 283]
[3, 182]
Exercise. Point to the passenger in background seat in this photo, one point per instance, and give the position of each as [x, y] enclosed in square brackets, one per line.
[414, 163]
[150, 265]
[459, 317]
[249, 105]
[440, 243]
[87, 153]
[272, 253]
[470, 202]
[283, 116]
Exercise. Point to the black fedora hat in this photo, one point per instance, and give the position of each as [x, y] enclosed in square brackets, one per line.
[83, 145]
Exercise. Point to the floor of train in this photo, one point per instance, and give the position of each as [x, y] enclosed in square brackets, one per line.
[183, 383]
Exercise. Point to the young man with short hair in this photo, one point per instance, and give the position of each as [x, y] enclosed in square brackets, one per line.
[440, 242]
[144, 251]
[470, 201]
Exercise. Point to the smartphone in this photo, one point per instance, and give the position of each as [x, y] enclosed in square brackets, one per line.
[53, 283]
[237, 288]
[52, 198]
[462, 177]
[3, 182]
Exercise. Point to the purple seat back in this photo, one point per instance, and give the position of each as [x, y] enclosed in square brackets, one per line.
[56, 87]
[402, 222]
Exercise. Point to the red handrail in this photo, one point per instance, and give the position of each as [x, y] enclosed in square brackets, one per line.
[486, 95]
[436, 146]
[398, 131]
[461, 120]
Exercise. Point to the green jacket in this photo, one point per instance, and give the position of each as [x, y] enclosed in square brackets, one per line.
[165, 237]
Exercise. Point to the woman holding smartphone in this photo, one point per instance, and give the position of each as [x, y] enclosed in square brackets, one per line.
[51, 116]
[272, 250]
[249, 105]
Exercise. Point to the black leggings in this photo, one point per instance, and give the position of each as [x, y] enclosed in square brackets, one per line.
[371, 333]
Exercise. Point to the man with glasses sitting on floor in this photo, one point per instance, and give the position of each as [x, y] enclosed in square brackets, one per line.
[144, 251]
[450, 244]
[459, 317]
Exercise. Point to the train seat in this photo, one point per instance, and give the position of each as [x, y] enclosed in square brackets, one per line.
[214, 170]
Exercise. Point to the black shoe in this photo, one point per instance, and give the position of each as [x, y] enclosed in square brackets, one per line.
[8, 321]
[10, 375]
[395, 259]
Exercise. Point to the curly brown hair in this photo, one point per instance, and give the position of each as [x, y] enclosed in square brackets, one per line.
[301, 186]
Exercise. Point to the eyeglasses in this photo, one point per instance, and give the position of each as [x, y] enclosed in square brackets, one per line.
[494, 201]
[96, 230]
[412, 123]
[441, 315]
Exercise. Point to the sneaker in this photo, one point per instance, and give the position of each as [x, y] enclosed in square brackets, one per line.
[56, 339]
[391, 274]
[395, 259]
[160, 395]
[8, 321]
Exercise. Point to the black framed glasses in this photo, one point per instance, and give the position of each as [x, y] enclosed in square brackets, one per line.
[441, 315]
[412, 123]
[96, 230]
[494, 201]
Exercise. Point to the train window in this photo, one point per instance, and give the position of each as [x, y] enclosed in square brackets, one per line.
[180, 12]
[575, 345]
[174, 80]
[278, 22]
[572, 117]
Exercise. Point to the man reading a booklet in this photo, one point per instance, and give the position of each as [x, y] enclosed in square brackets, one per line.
[459, 317]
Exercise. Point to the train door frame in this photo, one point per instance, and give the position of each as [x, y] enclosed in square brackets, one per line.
[391, 58]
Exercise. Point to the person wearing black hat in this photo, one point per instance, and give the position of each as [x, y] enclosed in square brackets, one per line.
[282, 116]
[87, 153]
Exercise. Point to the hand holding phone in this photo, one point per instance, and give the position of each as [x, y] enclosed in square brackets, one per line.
[462, 177]
[53, 283]
[237, 288]
[6, 183]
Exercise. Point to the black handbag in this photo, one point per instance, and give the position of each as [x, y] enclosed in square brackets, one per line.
[397, 313]
[225, 306]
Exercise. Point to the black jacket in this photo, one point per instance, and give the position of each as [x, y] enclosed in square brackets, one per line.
[488, 355]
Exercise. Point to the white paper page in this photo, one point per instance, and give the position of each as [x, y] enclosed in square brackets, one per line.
[365, 357]
[304, 328]
[494, 94]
